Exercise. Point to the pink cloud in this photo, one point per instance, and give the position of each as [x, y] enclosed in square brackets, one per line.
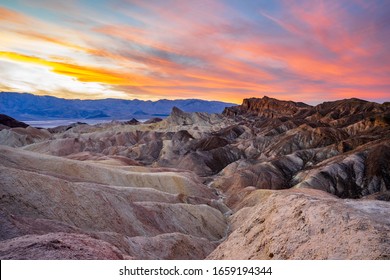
[213, 50]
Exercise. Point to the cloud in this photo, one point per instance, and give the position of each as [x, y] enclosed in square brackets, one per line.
[10, 16]
[21, 77]
[81, 73]
[221, 50]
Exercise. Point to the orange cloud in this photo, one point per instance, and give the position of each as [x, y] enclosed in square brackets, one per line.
[12, 16]
[82, 73]
[43, 37]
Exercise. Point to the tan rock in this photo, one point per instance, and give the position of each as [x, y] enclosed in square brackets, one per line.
[307, 224]
[170, 182]
[173, 246]
[93, 207]
[18, 137]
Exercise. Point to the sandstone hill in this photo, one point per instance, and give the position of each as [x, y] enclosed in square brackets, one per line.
[267, 179]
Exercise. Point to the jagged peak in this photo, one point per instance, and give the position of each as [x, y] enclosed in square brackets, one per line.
[176, 110]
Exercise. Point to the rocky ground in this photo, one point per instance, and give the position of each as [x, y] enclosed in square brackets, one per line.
[268, 179]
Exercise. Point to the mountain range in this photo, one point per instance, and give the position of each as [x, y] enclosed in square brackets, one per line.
[25, 106]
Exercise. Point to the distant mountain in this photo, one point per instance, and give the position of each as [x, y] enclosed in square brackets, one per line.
[24, 106]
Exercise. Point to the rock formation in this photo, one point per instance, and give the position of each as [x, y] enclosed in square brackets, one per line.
[64, 195]
[307, 224]
[268, 179]
[19, 137]
[268, 108]
[54, 246]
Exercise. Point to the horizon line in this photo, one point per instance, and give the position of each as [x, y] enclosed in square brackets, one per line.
[267, 95]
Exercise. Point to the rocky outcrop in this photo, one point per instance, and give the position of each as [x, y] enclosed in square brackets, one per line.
[172, 246]
[345, 112]
[267, 107]
[19, 137]
[180, 118]
[351, 175]
[59, 246]
[339, 147]
[306, 224]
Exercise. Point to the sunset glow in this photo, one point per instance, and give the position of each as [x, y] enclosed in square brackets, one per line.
[309, 51]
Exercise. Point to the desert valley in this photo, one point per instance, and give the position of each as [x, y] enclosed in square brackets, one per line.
[267, 179]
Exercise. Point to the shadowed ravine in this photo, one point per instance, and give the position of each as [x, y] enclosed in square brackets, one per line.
[268, 179]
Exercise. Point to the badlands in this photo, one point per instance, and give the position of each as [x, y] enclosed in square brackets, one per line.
[268, 179]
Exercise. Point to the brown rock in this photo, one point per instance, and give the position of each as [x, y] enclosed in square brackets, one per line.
[59, 246]
[267, 107]
[172, 246]
[11, 122]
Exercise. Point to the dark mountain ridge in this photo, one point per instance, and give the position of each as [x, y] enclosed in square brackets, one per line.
[7, 121]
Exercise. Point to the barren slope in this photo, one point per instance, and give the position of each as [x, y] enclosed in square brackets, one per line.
[164, 189]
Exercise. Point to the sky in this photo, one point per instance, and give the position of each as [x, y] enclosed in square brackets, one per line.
[306, 50]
